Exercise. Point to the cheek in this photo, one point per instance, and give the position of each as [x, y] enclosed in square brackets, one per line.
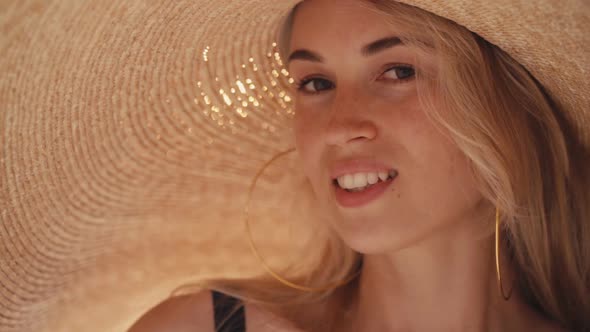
[306, 142]
[440, 174]
[449, 187]
[298, 124]
[302, 133]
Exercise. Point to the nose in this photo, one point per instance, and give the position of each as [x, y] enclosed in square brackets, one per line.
[346, 131]
[348, 124]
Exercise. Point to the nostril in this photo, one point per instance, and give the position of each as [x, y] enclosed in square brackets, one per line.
[358, 138]
[347, 131]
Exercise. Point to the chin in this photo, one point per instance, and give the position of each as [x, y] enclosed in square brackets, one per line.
[375, 245]
[368, 246]
[371, 233]
[362, 234]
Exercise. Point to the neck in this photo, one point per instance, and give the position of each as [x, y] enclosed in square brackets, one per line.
[442, 284]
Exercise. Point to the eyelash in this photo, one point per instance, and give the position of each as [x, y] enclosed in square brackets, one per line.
[302, 83]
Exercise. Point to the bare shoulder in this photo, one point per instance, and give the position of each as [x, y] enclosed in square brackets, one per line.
[193, 312]
[261, 320]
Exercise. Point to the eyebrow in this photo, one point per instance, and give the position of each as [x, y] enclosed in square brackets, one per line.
[368, 50]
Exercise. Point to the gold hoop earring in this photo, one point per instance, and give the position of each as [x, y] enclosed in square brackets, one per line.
[498, 273]
[257, 254]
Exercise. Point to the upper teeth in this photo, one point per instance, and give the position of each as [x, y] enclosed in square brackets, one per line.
[360, 180]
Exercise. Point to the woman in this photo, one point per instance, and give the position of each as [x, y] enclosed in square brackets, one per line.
[418, 138]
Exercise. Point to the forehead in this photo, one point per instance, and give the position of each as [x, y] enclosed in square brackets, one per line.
[340, 32]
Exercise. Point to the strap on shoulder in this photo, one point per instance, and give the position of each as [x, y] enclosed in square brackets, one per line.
[228, 313]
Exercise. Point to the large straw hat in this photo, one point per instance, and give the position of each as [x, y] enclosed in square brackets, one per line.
[129, 132]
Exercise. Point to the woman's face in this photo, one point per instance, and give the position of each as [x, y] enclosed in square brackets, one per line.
[359, 124]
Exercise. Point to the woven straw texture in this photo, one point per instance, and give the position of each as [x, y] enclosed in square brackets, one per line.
[129, 132]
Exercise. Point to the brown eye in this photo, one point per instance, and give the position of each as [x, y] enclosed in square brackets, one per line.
[314, 85]
[400, 72]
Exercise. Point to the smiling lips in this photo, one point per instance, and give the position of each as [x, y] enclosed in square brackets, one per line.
[358, 182]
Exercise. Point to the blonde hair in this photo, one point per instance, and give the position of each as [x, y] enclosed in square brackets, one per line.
[521, 152]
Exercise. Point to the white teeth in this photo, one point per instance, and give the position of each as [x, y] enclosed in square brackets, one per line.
[372, 178]
[346, 181]
[362, 180]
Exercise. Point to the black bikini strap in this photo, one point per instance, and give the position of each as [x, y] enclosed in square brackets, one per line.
[228, 313]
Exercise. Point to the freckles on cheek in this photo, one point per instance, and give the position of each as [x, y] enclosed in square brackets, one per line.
[298, 129]
[304, 140]
[456, 160]
[306, 129]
